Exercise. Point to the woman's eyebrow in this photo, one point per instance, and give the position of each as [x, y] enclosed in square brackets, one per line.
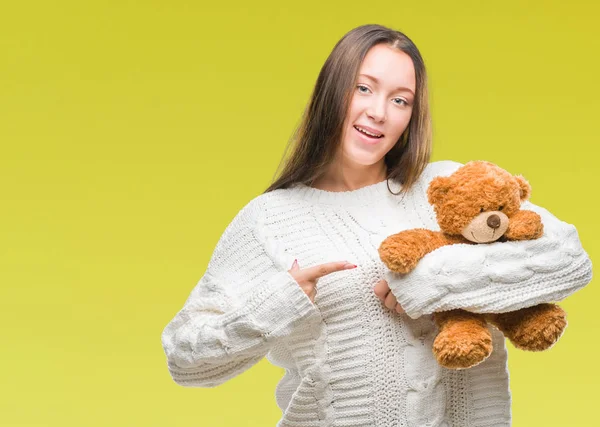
[402, 88]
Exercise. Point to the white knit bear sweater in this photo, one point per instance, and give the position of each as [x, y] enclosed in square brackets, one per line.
[348, 360]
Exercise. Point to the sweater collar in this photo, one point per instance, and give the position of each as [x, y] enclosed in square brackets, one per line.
[361, 196]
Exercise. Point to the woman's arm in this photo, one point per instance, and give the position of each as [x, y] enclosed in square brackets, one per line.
[243, 303]
[496, 277]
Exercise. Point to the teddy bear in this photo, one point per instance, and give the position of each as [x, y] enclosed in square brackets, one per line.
[479, 203]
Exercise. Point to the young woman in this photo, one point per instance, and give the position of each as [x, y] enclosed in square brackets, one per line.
[358, 173]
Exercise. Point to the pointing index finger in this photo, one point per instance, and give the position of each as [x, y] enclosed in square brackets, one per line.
[329, 267]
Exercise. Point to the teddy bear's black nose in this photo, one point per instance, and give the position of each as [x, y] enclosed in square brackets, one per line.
[493, 221]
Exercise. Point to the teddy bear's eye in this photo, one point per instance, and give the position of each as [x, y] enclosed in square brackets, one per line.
[481, 210]
[500, 208]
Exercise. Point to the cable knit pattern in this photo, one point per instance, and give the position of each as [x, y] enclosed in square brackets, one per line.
[348, 360]
[495, 277]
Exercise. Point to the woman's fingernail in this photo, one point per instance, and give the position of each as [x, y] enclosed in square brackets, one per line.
[348, 266]
[295, 263]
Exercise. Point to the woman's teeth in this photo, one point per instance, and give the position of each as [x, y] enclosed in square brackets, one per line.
[367, 133]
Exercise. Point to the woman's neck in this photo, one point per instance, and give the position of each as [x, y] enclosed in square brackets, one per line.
[348, 179]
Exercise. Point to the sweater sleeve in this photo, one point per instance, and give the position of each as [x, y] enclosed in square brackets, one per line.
[496, 277]
[245, 301]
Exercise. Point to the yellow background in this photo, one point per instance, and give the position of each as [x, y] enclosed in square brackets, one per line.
[132, 132]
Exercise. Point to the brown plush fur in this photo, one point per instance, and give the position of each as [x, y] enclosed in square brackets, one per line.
[464, 339]
[479, 203]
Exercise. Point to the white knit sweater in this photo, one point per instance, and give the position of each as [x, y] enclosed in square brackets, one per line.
[348, 360]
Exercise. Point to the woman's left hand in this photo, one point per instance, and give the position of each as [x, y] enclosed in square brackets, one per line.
[382, 290]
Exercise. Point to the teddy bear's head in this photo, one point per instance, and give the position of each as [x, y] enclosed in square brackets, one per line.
[477, 200]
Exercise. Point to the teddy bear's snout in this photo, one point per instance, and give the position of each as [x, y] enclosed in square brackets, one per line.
[486, 227]
[493, 221]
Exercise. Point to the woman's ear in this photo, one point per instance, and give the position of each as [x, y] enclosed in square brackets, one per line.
[438, 188]
[524, 187]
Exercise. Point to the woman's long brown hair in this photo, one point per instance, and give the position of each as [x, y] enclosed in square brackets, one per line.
[318, 136]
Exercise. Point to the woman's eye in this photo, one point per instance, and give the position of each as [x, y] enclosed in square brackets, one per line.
[366, 89]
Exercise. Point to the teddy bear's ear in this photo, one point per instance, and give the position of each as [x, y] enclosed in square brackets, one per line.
[524, 187]
[437, 190]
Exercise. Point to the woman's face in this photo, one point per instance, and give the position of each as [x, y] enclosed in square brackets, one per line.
[382, 104]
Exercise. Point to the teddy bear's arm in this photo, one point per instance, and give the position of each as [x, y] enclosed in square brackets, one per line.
[402, 251]
[524, 225]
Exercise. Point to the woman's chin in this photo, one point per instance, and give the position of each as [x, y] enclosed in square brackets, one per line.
[362, 160]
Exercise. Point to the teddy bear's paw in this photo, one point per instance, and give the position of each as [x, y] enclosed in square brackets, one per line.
[398, 259]
[462, 345]
[539, 329]
[525, 225]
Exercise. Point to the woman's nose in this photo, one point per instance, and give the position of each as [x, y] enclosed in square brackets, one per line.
[377, 111]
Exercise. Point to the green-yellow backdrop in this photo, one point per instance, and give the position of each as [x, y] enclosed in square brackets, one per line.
[132, 132]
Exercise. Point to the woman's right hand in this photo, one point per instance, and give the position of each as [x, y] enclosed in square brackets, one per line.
[307, 277]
